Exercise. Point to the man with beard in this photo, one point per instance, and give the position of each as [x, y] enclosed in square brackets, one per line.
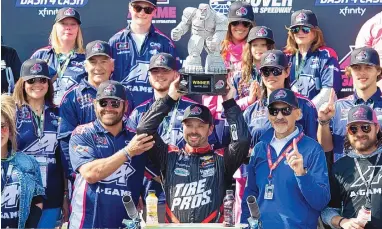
[287, 171]
[109, 162]
[366, 71]
[196, 176]
[355, 181]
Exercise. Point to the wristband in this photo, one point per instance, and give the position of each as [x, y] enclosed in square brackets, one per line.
[126, 154]
[323, 123]
[339, 222]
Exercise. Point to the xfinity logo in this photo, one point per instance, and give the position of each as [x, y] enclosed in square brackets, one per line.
[348, 11]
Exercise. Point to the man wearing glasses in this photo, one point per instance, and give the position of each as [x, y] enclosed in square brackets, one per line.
[133, 47]
[287, 171]
[355, 181]
[101, 152]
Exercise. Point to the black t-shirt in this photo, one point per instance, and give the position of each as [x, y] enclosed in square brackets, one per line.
[348, 189]
[9, 62]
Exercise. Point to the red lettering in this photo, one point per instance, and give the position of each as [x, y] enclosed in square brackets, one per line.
[347, 81]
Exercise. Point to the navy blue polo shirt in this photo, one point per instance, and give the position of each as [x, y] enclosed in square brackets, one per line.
[10, 199]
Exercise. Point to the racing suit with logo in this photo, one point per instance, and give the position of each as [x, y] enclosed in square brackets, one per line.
[195, 179]
[72, 70]
[131, 66]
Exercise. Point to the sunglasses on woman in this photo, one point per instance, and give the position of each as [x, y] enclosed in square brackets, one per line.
[285, 111]
[246, 24]
[40, 80]
[147, 9]
[305, 29]
[266, 72]
[353, 129]
[109, 102]
[4, 127]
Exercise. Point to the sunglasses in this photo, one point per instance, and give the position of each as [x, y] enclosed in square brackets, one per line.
[246, 24]
[285, 111]
[109, 102]
[138, 9]
[4, 127]
[40, 80]
[353, 129]
[305, 29]
[266, 72]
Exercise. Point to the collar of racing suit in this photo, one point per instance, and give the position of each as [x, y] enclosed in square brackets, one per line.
[197, 150]
[375, 97]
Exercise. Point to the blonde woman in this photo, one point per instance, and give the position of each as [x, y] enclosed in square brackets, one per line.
[314, 68]
[65, 54]
[21, 186]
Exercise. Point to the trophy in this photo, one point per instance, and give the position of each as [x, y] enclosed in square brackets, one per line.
[208, 30]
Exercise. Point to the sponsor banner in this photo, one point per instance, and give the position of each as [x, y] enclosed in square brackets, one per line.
[259, 6]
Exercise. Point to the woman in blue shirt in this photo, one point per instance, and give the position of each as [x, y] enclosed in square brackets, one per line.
[37, 122]
[21, 185]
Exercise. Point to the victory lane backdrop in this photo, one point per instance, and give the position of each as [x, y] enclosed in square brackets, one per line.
[26, 24]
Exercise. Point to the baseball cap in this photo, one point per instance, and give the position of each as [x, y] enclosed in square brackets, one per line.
[111, 89]
[362, 113]
[303, 17]
[162, 60]
[68, 12]
[241, 11]
[364, 55]
[274, 58]
[283, 95]
[198, 111]
[34, 68]
[260, 32]
[152, 2]
[98, 48]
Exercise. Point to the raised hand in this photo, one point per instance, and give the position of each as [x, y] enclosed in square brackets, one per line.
[351, 224]
[254, 92]
[295, 160]
[230, 91]
[173, 91]
[140, 144]
[327, 110]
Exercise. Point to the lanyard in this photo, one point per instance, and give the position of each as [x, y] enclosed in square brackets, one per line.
[39, 123]
[9, 173]
[298, 67]
[367, 183]
[281, 156]
[61, 68]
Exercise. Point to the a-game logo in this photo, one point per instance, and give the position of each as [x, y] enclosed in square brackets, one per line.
[259, 6]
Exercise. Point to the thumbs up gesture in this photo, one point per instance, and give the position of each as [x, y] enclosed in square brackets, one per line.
[327, 110]
[295, 160]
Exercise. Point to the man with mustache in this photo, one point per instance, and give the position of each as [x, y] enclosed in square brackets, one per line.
[355, 181]
[108, 160]
[196, 176]
[287, 171]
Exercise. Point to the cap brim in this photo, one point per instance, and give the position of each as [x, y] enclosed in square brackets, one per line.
[363, 121]
[143, 1]
[302, 24]
[254, 38]
[98, 54]
[274, 66]
[166, 67]
[362, 62]
[282, 101]
[195, 118]
[109, 97]
[240, 19]
[34, 76]
[79, 22]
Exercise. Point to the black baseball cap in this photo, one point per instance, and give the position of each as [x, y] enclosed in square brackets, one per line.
[262, 32]
[283, 95]
[68, 12]
[274, 58]
[198, 111]
[303, 17]
[111, 89]
[241, 11]
[364, 55]
[162, 60]
[34, 68]
[152, 2]
[362, 113]
[98, 48]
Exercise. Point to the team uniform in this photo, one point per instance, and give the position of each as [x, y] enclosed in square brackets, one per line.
[131, 65]
[319, 69]
[10, 69]
[339, 120]
[297, 200]
[348, 191]
[99, 205]
[69, 70]
[195, 180]
[44, 148]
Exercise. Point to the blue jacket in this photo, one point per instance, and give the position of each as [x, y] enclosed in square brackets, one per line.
[339, 121]
[297, 200]
[28, 173]
[131, 66]
[321, 70]
[256, 117]
[72, 76]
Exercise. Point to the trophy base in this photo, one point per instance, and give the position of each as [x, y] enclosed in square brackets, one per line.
[203, 83]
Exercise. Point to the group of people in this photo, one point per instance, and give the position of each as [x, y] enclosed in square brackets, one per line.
[84, 126]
